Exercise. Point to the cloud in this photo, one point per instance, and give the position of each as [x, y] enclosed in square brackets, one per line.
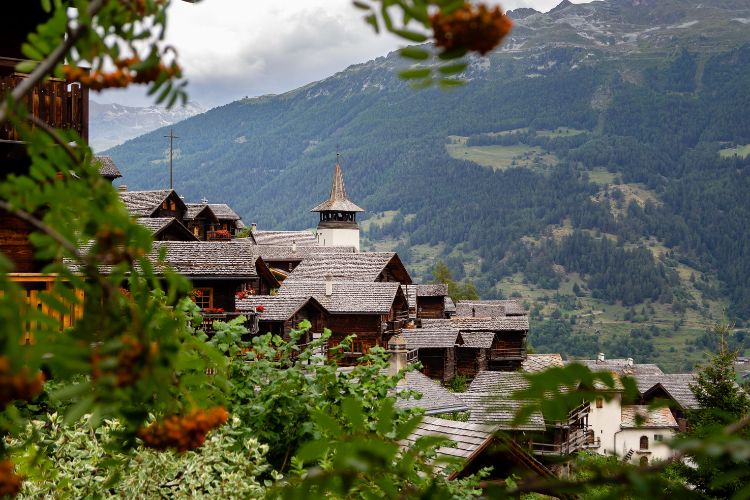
[235, 48]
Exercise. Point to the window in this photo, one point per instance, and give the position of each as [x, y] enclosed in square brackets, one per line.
[658, 437]
[203, 297]
[599, 402]
[164, 204]
[644, 443]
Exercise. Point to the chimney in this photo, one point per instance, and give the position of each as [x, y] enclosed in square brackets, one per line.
[630, 362]
[329, 285]
[204, 200]
[397, 361]
[600, 358]
[294, 246]
[122, 188]
[253, 227]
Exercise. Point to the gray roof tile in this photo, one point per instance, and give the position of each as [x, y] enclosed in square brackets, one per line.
[276, 307]
[435, 398]
[363, 266]
[619, 366]
[540, 362]
[348, 296]
[490, 308]
[430, 336]
[495, 409]
[657, 418]
[143, 203]
[107, 167]
[302, 238]
[676, 384]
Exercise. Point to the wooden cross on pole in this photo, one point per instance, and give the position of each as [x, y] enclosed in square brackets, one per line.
[171, 138]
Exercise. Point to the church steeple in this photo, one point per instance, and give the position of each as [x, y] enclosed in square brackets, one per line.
[338, 215]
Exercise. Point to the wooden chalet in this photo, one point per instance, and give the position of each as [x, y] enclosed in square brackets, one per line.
[427, 301]
[218, 270]
[673, 388]
[280, 314]
[477, 446]
[373, 311]
[212, 221]
[435, 344]
[490, 399]
[156, 203]
[370, 267]
[507, 347]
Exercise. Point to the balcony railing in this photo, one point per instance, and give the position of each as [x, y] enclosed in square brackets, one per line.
[56, 102]
[412, 356]
[507, 353]
[209, 318]
[577, 441]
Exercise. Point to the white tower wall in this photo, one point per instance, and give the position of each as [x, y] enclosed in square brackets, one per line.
[338, 237]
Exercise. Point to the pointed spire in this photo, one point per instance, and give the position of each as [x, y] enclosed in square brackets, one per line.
[338, 201]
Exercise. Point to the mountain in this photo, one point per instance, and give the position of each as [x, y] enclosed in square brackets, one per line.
[596, 165]
[113, 124]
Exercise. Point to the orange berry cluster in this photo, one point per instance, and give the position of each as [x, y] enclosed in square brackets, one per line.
[10, 482]
[183, 433]
[123, 76]
[18, 386]
[128, 371]
[470, 27]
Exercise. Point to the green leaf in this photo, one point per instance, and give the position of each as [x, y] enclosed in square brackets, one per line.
[407, 428]
[452, 69]
[410, 35]
[414, 53]
[361, 5]
[415, 73]
[353, 411]
[78, 410]
[451, 82]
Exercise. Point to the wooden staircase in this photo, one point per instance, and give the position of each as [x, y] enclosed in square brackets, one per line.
[628, 456]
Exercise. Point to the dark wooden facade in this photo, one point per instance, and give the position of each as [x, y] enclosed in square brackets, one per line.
[470, 361]
[15, 244]
[431, 307]
[508, 351]
[438, 363]
[311, 312]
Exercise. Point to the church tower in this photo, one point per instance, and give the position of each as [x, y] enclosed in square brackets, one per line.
[338, 216]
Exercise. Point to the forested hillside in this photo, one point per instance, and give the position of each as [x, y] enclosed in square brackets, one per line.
[597, 166]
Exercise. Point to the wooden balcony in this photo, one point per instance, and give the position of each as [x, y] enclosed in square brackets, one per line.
[56, 102]
[577, 441]
[209, 318]
[507, 353]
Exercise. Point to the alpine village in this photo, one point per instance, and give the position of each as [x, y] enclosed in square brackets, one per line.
[462, 363]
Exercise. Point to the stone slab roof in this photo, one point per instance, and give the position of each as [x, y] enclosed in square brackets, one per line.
[159, 224]
[276, 307]
[285, 252]
[337, 201]
[224, 211]
[449, 307]
[490, 308]
[498, 382]
[620, 366]
[302, 238]
[107, 167]
[676, 385]
[434, 290]
[143, 203]
[467, 438]
[363, 266]
[435, 398]
[540, 362]
[430, 336]
[210, 258]
[476, 339]
[348, 297]
[657, 418]
[499, 410]
[193, 209]
[505, 323]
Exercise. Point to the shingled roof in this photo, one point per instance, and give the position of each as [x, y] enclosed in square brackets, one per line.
[301, 238]
[540, 362]
[468, 438]
[489, 308]
[275, 307]
[505, 323]
[362, 266]
[107, 167]
[348, 297]
[493, 408]
[655, 418]
[286, 252]
[210, 258]
[676, 385]
[433, 290]
[224, 211]
[145, 203]
[337, 201]
[498, 382]
[158, 225]
[449, 306]
[430, 336]
[619, 366]
[435, 398]
[196, 209]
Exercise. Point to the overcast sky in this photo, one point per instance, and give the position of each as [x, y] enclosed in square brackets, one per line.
[235, 48]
